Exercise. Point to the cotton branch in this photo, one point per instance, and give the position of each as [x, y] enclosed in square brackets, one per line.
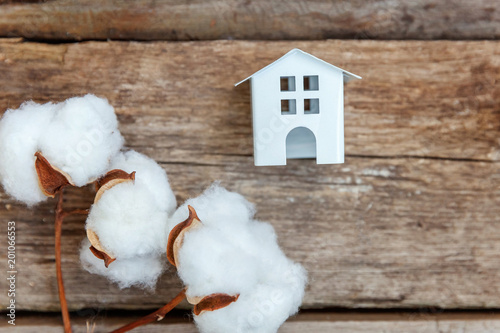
[59, 218]
[155, 316]
[60, 214]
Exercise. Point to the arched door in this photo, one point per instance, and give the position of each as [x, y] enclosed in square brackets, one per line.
[301, 143]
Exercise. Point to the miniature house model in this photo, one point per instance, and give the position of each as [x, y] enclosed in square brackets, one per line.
[298, 110]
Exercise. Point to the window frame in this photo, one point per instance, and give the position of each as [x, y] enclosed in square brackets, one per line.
[315, 80]
[292, 106]
[291, 83]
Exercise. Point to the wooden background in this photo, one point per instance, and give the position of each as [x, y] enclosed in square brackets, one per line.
[403, 237]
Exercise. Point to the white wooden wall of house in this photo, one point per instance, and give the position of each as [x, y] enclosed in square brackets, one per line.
[271, 128]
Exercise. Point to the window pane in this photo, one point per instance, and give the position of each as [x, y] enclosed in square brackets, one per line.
[288, 106]
[311, 82]
[311, 106]
[287, 83]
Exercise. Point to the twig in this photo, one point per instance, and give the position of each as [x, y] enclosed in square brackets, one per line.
[60, 214]
[155, 316]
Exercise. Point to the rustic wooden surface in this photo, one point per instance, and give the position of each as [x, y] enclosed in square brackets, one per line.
[249, 19]
[351, 323]
[409, 220]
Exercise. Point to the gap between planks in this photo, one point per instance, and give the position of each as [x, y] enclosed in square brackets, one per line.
[408, 322]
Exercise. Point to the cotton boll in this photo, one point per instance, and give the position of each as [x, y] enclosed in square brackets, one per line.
[138, 271]
[78, 137]
[20, 131]
[224, 248]
[82, 138]
[231, 253]
[130, 218]
[127, 221]
[148, 174]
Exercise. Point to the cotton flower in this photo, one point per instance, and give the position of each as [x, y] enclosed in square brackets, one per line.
[77, 137]
[234, 271]
[128, 220]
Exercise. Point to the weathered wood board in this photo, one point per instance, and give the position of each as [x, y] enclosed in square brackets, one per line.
[352, 323]
[409, 220]
[249, 19]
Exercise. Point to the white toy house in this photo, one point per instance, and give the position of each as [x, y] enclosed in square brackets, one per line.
[298, 110]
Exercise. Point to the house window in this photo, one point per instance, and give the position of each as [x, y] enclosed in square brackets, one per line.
[311, 106]
[287, 83]
[311, 82]
[288, 106]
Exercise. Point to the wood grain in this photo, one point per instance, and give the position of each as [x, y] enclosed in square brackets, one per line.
[245, 19]
[409, 220]
[352, 323]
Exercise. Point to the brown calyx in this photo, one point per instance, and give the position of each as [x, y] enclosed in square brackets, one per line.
[102, 255]
[110, 179]
[50, 179]
[176, 236]
[97, 248]
[214, 302]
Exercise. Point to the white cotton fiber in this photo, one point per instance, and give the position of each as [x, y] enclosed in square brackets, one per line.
[262, 310]
[130, 218]
[82, 138]
[127, 222]
[78, 136]
[20, 132]
[234, 254]
[149, 174]
[137, 271]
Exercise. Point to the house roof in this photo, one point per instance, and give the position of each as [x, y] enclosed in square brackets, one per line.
[347, 75]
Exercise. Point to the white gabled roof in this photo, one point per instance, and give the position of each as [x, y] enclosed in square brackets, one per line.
[347, 75]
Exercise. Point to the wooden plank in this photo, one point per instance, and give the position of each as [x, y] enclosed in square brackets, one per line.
[352, 323]
[256, 20]
[409, 220]
[443, 94]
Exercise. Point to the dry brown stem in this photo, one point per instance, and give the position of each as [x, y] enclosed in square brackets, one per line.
[155, 316]
[60, 214]
[59, 218]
